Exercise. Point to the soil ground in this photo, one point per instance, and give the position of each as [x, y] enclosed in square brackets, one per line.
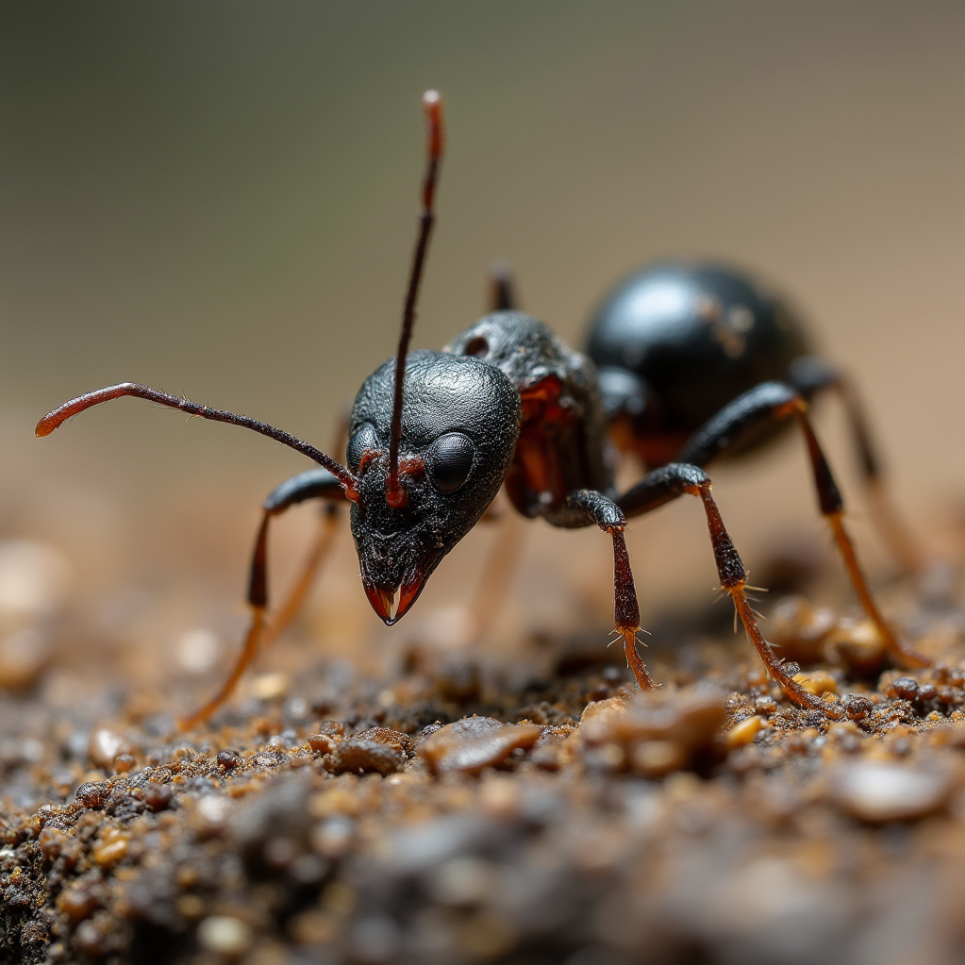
[444, 807]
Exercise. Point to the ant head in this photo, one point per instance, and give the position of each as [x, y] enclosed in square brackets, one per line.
[460, 422]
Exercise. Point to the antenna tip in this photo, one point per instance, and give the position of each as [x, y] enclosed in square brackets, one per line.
[431, 97]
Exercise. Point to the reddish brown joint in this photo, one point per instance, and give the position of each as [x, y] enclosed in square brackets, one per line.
[395, 495]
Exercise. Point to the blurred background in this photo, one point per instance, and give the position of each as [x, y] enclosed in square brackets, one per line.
[219, 200]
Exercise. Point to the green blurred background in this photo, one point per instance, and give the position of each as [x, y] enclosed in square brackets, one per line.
[219, 200]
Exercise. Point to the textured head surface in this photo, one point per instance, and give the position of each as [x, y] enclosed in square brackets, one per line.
[460, 422]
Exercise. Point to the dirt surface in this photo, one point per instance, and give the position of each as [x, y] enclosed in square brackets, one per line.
[446, 810]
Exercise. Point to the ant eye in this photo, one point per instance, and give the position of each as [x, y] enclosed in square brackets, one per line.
[364, 439]
[450, 461]
[477, 347]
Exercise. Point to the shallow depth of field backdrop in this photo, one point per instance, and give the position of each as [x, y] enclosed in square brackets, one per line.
[219, 200]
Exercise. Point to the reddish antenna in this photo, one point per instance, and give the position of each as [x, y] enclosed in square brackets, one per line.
[59, 415]
[395, 495]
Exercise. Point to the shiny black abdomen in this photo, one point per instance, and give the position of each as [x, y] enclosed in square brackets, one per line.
[695, 336]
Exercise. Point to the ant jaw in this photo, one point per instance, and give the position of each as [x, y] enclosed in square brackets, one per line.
[384, 602]
[392, 603]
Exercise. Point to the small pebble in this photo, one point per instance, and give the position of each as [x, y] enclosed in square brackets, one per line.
[270, 686]
[322, 743]
[112, 848]
[858, 646]
[24, 655]
[91, 794]
[880, 792]
[905, 688]
[856, 706]
[472, 744]
[34, 577]
[198, 650]
[104, 745]
[356, 756]
[817, 682]
[229, 760]
[743, 733]
[224, 935]
[799, 630]
[124, 763]
[157, 796]
[384, 735]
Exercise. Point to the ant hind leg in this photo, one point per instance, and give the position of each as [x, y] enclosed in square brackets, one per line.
[771, 402]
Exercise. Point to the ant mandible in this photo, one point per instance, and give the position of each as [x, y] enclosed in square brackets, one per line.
[434, 435]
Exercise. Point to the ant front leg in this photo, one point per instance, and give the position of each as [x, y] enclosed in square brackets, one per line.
[668, 483]
[811, 376]
[626, 610]
[772, 402]
[313, 484]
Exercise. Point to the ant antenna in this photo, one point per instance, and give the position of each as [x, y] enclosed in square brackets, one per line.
[59, 415]
[395, 495]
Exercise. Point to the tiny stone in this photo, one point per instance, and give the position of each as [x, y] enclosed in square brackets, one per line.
[89, 938]
[658, 758]
[33, 577]
[927, 692]
[270, 686]
[77, 902]
[322, 743]
[224, 935]
[124, 763]
[24, 655]
[92, 794]
[879, 792]
[856, 706]
[111, 851]
[357, 756]
[229, 760]
[105, 744]
[817, 682]
[474, 743]
[157, 796]
[743, 733]
[906, 688]
[51, 842]
[198, 650]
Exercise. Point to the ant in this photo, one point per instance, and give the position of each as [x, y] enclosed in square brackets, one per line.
[433, 436]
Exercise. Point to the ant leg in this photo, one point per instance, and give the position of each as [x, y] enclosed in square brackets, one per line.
[668, 483]
[296, 490]
[502, 290]
[772, 402]
[307, 576]
[497, 573]
[313, 484]
[626, 610]
[812, 375]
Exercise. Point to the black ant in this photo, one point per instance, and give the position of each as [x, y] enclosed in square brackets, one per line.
[434, 435]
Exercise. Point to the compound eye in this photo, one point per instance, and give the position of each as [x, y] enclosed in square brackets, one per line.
[450, 461]
[364, 439]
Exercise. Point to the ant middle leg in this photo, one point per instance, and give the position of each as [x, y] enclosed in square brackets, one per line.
[626, 610]
[772, 402]
[313, 484]
[663, 485]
